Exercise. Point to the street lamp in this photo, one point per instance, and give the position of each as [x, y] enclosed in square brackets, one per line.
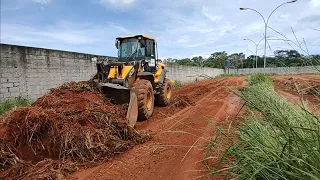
[253, 60]
[257, 45]
[266, 26]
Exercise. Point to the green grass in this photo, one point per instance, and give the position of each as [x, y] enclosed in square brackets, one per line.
[9, 104]
[178, 84]
[259, 79]
[278, 140]
[228, 75]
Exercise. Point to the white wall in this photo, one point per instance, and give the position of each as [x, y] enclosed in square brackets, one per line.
[31, 72]
[191, 73]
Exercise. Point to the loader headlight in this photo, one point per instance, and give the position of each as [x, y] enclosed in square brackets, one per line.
[157, 67]
[152, 63]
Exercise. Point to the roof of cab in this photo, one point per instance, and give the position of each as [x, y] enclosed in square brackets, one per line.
[131, 36]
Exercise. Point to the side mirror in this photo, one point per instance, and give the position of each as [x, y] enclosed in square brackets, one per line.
[116, 43]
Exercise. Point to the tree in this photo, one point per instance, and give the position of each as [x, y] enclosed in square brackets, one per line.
[283, 58]
[287, 54]
[185, 62]
[216, 60]
[237, 60]
[287, 58]
[250, 62]
[197, 61]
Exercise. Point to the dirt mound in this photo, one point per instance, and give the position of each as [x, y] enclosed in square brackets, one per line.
[307, 86]
[299, 84]
[73, 122]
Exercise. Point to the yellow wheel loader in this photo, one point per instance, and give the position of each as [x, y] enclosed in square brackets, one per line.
[136, 77]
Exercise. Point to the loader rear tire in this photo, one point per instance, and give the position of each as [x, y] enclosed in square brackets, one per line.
[145, 97]
[164, 97]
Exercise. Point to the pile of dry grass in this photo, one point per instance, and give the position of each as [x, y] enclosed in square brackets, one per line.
[73, 122]
[45, 169]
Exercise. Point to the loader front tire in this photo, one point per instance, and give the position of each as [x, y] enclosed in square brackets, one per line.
[164, 96]
[145, 97]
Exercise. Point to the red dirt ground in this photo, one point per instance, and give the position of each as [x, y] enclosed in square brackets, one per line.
[73, 122]
[179, 131]
[300, 87]
[179, 134]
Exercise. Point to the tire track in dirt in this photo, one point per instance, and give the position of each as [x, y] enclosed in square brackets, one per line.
[192, 95]
[175, 151]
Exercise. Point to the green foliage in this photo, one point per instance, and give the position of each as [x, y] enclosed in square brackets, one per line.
[237, 60]
[178, 84]
[288, 58]
[259, 79]
[278, 140]
[315, 60]
[9, 104]
[216, 60]
[197, 61]
[228, 75]
[185, 62]
[283, 58]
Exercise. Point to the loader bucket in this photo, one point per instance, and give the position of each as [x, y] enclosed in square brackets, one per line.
[117, 93]
[122, 95]
[132, 113]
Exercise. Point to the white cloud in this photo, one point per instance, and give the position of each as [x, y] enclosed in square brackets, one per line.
[251, 28]
[182, 27]
[64, 31]
[24, 33]
[65, 35]
[117, 2]
[42, 1]
[210, 15]
[283, 17]
[121, 29]
[314, 3]
[190, 30]
[184, 39]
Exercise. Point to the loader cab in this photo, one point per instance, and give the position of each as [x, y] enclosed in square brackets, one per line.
[137, 48]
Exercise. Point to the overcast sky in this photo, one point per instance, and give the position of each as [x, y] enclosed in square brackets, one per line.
[183, 28]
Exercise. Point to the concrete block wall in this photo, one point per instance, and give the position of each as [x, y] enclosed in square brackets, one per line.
[191, 73]
[31, 72]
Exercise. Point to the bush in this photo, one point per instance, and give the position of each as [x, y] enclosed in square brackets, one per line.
[11, 103]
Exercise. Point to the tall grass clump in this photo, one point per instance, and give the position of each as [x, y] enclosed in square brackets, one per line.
[259, 79]
[178, 84]
[278, 140]
[14, 102]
